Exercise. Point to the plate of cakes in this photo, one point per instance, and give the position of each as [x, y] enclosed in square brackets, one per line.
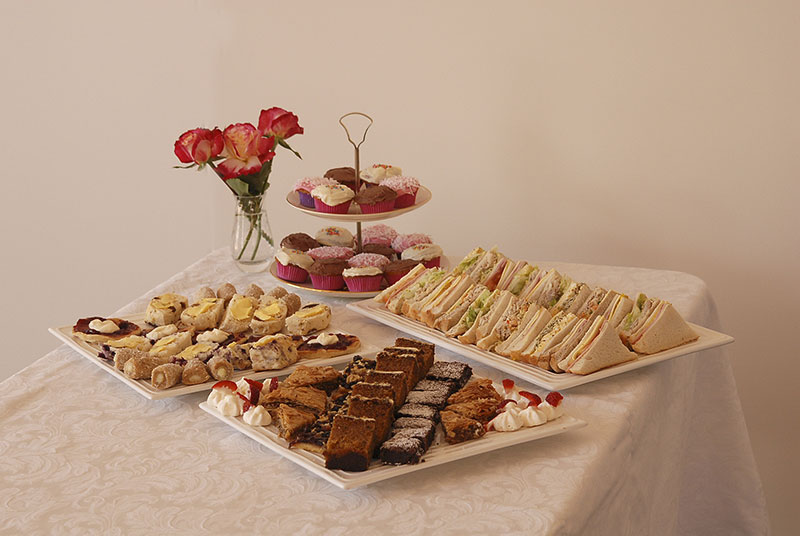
[384, 193]
[330, 261]
[180, 345]
[386, 414]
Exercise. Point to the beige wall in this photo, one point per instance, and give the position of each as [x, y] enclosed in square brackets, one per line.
[650, 134]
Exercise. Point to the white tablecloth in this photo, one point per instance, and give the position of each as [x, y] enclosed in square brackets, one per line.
[666, 451]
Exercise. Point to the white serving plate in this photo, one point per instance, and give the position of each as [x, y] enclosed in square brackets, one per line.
[437, 454]
[543, 378]
[143, 387]
[354, 214]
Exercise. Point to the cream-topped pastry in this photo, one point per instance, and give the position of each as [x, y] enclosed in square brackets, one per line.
[333, 195]
[294, 257]
[103, 326]
[421, 252]
[162, 331]
[361, 271]
[215, 335]
[335, 236]
[379, 172]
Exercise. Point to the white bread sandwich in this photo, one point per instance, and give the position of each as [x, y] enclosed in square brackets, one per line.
[618, 309]
[534, 321]
[552, 334]
[471, 314]
[600, 348]
[469, 335]
[468, 262]
[431, 312]
[573, 298]
[558, 352]
[451, 317]
[412, 308]
[484, 325]
[655, 326]
[401, 284]
[420, 288]
[508, 324]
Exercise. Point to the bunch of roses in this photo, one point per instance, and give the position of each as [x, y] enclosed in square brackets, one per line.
[242, 148]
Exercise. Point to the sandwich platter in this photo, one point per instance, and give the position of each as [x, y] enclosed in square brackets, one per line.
[549, 380]
[144, 388]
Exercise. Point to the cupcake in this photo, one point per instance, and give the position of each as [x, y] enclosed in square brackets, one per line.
[292, 265]
[378, 173]
[401, 242]
[376, 199]
[331, 252]
[428, 254]
[335, 236]
[326, 274]
[367, 259]
[363, 279]
[380, 249]
[395, 270]
[406, 188]
[332, 199]
[378, 234]
[299, 241]
[343, 175]
[303, 187]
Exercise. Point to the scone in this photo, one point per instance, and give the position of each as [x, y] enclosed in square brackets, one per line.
[134, 342]
[205, 314]
[238, 314]
[165, 309]
[273, 352]
[98, 329]
[269, 318]
[202, 351]
[312, 317]
[172, 344]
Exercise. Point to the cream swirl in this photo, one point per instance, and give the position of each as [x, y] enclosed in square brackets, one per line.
[257, 416]
[294, 257]
[333, 195]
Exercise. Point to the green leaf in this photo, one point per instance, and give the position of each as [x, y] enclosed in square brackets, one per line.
[283, 143]
[239, 186]
[263, 176]
[184, 167]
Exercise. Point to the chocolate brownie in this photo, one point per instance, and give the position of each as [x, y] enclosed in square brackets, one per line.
[433, 399]
[453, 371]
[350, 444]
[436, 385]
[402, 450]
[425, 434]
[458, 428]
[418, 410]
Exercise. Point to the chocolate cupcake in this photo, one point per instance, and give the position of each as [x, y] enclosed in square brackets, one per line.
[376, 199]
[394, 271]
[326, 274]
[299, 241]
[343, 175]
[380, 249]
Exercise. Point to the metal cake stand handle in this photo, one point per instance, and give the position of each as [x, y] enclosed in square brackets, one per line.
[357, 167]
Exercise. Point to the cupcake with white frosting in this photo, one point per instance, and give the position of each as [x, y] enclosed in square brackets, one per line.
[292, 265]
[428, 254]
[333, 199]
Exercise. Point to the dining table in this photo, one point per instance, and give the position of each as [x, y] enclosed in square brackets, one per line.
[665, 449]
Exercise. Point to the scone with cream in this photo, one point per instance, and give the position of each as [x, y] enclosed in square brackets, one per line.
[269, 318]
[238, 314]
[312, 317]
[171, 344]
[204, 314]
[99, 329]
[273, 352]
[165, 309]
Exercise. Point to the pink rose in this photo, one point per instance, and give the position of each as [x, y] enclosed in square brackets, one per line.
[199, 145]
[245, 151]
[279, 123]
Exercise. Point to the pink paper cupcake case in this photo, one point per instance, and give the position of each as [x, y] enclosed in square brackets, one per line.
[341, 208]
[292, 273]
[327, 282]
[433, 263]
[370, 283]
[405, 200]
[375, 208]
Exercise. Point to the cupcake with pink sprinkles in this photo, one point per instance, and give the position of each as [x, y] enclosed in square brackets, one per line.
[368, 259]
[378, 234]
[406, 188]
[405, 241]
[330, 252]
[304, 186]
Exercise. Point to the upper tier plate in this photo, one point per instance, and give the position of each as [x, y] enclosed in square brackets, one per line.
[423, 196]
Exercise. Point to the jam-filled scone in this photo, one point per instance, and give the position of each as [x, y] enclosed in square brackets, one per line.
[273, 352]
[238, 314]
[165, 309]
[99, 330]
[204, 314]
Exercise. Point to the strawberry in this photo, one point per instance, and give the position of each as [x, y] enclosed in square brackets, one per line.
[273, 384]
[255, 390]
[503, 404]
[226, 384]
[245, 403]
[508, 384]
[554, 398]
[533, 398]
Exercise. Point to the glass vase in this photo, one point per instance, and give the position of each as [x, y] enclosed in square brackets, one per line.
[251, 239]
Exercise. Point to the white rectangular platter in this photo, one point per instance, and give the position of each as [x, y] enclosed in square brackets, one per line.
[543, 378]
[143, 387]
[438, 453]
